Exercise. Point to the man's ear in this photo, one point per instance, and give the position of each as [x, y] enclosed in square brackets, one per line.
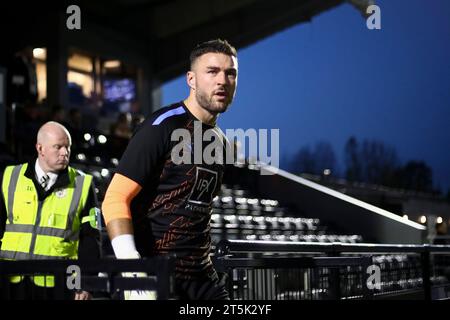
[190, 79]
[39, 148]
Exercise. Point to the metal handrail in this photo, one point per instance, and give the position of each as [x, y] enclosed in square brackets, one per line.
[226, 247]
[101, 274]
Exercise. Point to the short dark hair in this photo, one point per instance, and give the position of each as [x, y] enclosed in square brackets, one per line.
[215, 46]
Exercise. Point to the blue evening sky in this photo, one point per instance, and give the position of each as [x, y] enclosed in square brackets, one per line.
[332, 78]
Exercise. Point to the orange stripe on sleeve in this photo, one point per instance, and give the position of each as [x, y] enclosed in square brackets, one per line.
[118, 197]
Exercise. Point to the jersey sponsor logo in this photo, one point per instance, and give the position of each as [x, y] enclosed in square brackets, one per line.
[204, 186]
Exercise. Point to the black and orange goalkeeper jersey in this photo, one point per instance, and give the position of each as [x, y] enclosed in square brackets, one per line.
[171, 214]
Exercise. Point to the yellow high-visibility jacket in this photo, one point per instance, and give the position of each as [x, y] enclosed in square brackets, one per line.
[47, 229]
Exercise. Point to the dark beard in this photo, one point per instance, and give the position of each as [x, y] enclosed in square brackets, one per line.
[209, 105]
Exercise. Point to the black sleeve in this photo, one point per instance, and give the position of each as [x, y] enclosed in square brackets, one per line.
[89, 245]
[145, 152]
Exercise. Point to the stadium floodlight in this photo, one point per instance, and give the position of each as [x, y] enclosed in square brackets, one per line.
[101, 139]
[104, 172]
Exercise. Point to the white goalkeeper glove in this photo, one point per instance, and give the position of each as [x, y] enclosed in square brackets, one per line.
[124, 248]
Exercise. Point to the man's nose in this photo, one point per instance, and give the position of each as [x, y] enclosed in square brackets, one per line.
[222, 78]
[64, 151]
